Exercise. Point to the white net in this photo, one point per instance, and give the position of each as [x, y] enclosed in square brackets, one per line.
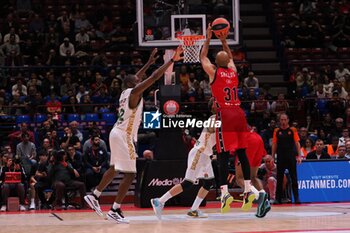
[192, 47]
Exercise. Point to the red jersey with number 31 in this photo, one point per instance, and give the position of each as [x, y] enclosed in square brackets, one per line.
[225, 87]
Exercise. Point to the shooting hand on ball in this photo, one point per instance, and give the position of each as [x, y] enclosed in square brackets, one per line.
[209, 32]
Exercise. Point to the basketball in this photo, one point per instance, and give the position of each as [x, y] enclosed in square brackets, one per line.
[220, 26]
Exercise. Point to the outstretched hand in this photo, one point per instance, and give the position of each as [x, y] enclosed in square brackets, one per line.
[153, 58]
[222, 35]
[209, 31]
[177, 56]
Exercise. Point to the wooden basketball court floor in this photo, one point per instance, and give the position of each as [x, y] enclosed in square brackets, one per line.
[317, 218]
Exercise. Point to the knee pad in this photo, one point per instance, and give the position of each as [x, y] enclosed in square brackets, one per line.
[207, 184]
[186, 184]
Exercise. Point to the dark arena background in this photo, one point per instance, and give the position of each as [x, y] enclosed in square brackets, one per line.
[63, 66]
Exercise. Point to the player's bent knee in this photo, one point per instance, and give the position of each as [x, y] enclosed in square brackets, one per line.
[186, 184]
[207, 184]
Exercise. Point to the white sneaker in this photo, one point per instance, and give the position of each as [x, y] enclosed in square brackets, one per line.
[32, 206]
[3, 208]
[117, 216]
[92, 201]
[157, 207]
[22, 208]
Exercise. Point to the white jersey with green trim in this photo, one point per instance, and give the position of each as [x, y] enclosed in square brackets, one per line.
[129, 120]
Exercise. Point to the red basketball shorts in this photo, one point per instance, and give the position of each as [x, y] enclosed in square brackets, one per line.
[232, 133]
[255, 150]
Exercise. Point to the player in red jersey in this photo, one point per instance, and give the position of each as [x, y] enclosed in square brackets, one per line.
[231, 136]
[255, 152]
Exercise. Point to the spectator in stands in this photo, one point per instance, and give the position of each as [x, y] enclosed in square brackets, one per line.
[106, 29]
[13, 165]
[81, 22]
[67, 85]
[82, 39]
[86, 105]
[303, 135]
[304, 37]
[340, 89]
[96, 162]
[307, 148]
[81, 92]
[50, 85]
[341, 72]
[347, 113]
[345, 137]
[16, 136]
[19, 88]
[267, 135]
[46, 146]
[37, 26]
[70, 139]
[11, 46]
[347, 145]
[26, 150]
[53, 59]
[328, 87]
[76, 132]
[336, 105]
[64, 22]
[67, 48]
[307, 8]
[42, 181]
[12, 32]
[75, 158]
[260, 106]
[251, 81]
[319, 152]
[63, 175]
[342, 153]
[54, 140]
[53, 105]
[280, 105]
[71, 105]
[17, 106]
[320, 92]
[338, 129]
[205, 85]
[269, 172]
[93, 132]
[332, 149]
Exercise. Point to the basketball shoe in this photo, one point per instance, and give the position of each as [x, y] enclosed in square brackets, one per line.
[226, 201]
[157, 207]
[248, 199]
[197, 214]
[92, 201]
[264, 205]
[117, 216]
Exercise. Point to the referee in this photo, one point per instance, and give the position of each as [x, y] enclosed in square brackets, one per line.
[286, 144]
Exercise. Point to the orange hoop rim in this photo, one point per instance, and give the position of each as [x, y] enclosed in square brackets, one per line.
[191, 37]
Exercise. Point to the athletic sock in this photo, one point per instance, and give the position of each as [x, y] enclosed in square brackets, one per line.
[97, 193]
[165, 197]
[256, 192]
[197, 202]
[247, 186]
[224, 190]
[115, 206]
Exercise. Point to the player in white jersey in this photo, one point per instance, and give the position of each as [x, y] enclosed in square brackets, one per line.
[198, 167]
[123, 135]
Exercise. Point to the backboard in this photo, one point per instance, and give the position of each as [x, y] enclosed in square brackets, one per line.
[160, 22]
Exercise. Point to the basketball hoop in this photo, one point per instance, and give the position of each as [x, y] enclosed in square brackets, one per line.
[191, 45]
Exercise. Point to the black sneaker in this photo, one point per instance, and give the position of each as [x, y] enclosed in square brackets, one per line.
[117, 216]
[264, 205]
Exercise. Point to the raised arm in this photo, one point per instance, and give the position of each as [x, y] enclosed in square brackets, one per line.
[151, 60]
[225, 47]
[208, 67]
[138, 90]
